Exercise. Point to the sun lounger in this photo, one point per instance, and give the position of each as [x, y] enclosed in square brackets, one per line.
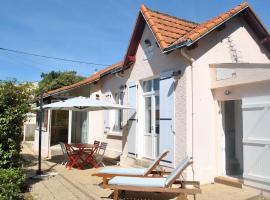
[168, 184]
[108, 173]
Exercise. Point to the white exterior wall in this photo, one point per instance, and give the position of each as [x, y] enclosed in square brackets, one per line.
[142, 70]
[45, 139]
[107, 85]
[214, 48]
[145, 69]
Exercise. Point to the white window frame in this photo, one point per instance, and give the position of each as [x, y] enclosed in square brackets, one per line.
[112, 114]
[149, 94]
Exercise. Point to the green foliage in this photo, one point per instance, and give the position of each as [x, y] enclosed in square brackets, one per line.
[54, 80]
[11, 182]
[14, 104]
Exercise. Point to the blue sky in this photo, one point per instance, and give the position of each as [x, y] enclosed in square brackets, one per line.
[94, 31]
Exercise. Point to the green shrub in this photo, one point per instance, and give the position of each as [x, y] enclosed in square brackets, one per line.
[11, 183]
[14, 104]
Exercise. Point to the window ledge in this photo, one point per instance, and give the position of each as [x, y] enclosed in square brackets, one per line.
[120, 134]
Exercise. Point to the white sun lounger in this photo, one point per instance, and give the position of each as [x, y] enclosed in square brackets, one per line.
[109, 172]
[161, 184]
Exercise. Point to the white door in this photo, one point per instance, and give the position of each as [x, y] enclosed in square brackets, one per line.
[256, 141]
[151, 119]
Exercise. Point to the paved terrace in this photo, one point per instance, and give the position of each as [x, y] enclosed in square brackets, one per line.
[80, 185]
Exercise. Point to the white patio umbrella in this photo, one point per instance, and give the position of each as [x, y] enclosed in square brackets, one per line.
[80, 103]
[84, 104]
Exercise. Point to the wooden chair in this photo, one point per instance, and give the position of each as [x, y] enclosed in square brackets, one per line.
[170, 184]
[96, 142]
[108, 173]
[100, 153]
[65, 154]
[74, 157]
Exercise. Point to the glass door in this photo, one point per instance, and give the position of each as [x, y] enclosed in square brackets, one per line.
[151, 119]
[79, 129]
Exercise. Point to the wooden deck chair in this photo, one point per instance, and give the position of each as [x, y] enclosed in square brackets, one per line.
[108, 173]
[169, 184]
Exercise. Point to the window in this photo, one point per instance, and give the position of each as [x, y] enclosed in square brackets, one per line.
[148, 49]
[151, 103]
[44, 121]
[114, 117]
[151, 86]
[118, 114]
[151, 118]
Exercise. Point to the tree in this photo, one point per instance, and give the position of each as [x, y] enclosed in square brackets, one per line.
[15, 100]
[54, 80]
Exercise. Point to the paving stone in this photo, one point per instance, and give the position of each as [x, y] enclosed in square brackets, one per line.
[80, 185]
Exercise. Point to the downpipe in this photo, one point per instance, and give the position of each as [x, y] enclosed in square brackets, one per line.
[191, 60]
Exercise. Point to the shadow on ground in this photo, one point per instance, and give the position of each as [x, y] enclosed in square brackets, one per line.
[127, 195]
[60, 159]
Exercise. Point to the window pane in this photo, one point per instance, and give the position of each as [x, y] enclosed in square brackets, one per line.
[148, 116]
[156, 84]
[116, 114]
[147, 86]
[157, 114]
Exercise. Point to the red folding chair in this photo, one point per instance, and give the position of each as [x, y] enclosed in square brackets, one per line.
[90, 154]
[74, 157]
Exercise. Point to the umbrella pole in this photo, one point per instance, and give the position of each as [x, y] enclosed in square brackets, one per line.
[40, 132]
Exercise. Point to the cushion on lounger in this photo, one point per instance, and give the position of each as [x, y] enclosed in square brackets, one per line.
[125, 171]
[177, 171]
[138, 181]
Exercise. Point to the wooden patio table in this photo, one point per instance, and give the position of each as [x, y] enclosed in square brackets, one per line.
[86, 153]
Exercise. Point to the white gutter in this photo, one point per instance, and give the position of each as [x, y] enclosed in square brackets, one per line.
[191, 61]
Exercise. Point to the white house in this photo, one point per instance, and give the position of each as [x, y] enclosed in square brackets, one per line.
[198, 89]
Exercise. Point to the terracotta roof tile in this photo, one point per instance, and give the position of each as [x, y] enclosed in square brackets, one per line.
[87, 80]
[210, 24]
[166, 28]
[170, 30]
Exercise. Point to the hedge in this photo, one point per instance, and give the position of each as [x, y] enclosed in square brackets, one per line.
[11, 182]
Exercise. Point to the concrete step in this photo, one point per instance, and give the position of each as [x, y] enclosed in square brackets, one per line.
[234, 182]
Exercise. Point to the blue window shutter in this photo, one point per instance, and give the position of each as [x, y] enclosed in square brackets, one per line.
[132, 120]
[107, 116]
[166, 135]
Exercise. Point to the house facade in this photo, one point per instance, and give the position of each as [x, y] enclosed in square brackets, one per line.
[198, 89]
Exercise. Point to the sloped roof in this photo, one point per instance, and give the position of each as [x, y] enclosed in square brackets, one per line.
[167, 29]
[172, 32]
[96, 76]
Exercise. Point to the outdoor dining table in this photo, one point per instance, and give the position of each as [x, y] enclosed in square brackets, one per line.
[86, 153]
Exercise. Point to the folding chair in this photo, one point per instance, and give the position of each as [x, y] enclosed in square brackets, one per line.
[96, 143]
[74, 157]
[100, 153]
[64, 151]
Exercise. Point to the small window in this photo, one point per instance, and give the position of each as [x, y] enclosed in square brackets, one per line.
[156, 84]
[151, 85]
[147, 86]
[115, 117]
[148, 49]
